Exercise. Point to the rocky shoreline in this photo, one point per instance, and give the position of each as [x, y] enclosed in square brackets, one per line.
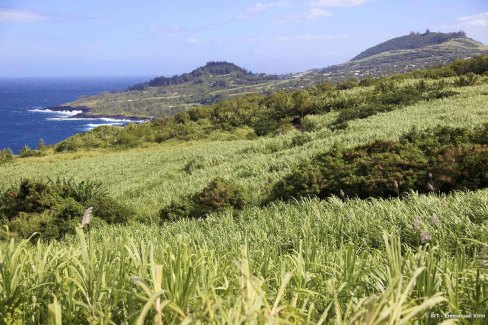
[86, 113]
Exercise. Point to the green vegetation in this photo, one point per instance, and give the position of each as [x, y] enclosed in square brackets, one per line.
[189, 224]
[6, 156]
[403, 54]
[257, 115]
[199, 75]
[412, 41]
[167, 96]
[219, 195]
[222, 80]
[438, 160]
[52, 209]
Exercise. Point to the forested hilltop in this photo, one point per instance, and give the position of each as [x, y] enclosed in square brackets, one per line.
[165, 96]
[239, 76]
[361, 202]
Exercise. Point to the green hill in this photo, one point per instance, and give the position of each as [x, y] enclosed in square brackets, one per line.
[167, 96]
[229, 73]
[410, 42]
[403, 54]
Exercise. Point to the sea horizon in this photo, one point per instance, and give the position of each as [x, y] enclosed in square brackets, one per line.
[24, 120]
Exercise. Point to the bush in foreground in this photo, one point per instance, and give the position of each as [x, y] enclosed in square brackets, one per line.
[220, 194]
[54, 208]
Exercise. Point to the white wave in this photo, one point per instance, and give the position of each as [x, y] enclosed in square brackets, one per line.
[91, 126]
[108, 119]
[104, 119]
[69, 119]
[64, 113]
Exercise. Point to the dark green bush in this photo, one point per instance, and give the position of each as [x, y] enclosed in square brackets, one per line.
[70, 209]
[468, 79]
[55, 208]
[82, 192]
[349, 84]
[220, 194]
[360, 112]
[111, 211]
[441, 160]
[177, 210]
[194, 164]
[265, 126]
[29, 197]
[28, 152]
[389, 97]
[6, 156]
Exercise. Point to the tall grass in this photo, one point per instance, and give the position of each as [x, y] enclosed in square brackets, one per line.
[354, 262]
[327, 262]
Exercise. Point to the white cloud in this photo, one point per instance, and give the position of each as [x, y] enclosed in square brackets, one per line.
[261, 7]
[338, 3]
[316, 13]
[318, 9]
[478, 20]
[195, 41]
[171, 32]
[14, 15]
[309, 37]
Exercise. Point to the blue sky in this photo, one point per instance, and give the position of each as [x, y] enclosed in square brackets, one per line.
[155, 37]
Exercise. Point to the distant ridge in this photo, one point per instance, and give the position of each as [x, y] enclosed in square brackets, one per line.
[399, 55]
[408, 42]
[215, 68]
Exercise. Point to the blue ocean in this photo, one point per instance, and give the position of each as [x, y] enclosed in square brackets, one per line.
[24, 120]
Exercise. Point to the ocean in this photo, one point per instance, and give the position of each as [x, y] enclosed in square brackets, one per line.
[24, 120]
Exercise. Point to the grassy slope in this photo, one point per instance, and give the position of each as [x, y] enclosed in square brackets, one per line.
[400, 61]
[327, 246]
[149, 178]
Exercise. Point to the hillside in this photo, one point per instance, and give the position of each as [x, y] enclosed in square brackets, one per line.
[400, 55]
[372, 209]
[239, 76]
[410, 42]
[167, 96]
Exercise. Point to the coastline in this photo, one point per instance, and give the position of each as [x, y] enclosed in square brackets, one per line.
[85, 112]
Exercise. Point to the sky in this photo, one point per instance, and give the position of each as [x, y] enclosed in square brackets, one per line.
[41, 38]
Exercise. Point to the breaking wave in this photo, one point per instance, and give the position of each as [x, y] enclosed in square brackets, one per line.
[91, 126]
[64, 113]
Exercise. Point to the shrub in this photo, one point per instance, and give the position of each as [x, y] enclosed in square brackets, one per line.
[349, 84]
[194, 164]
[441, 160]
[31, 196]
[54, 208]
[28, 152]
[360, 112]
[265, 126]
[468, 79]
[6, 156]
[176, 210]
[69, 210]
[82, 192]
[220, 194]
[111, 211]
